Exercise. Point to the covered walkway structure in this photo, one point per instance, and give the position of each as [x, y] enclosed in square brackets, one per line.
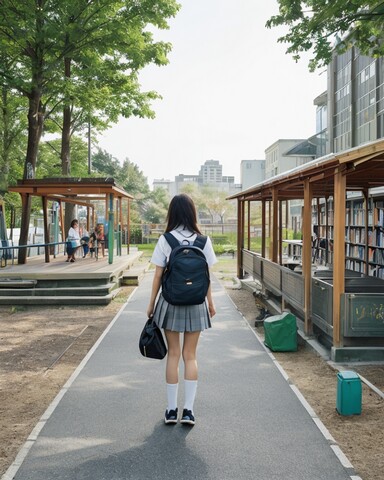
[86, 192]
[359, 170]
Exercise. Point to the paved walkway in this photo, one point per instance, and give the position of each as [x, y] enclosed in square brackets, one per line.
[107, 423]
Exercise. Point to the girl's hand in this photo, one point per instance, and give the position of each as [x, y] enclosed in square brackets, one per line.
[211, 309]
[150, 310]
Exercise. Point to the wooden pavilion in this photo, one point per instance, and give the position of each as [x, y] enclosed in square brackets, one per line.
[85, 192]
[359, 169]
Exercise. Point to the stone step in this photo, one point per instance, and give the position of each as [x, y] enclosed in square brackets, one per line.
[85, 291]
[132, 276]
[17, 283]
[57, 300]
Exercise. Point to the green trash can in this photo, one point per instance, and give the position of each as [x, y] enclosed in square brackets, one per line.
[280, 332]
[349, 393]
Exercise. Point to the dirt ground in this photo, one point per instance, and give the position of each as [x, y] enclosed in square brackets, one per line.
[361, 437]
[41, 346]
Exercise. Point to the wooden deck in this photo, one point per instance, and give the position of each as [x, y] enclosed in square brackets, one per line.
[36, 268]
[87, 281]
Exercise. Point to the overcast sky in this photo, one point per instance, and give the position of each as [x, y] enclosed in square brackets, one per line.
[229, 92]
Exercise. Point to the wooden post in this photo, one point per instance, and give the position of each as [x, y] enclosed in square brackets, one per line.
[326, 231]
[275, 225]
[280, 235]
[128, 225]
[240, 237]
[111, 233]
[286, 218]
[338, 252]
[120, 225]
[46, 229]
[62, 224]
[263, 228]
[307, 255]
[366, 224]
[249, 225]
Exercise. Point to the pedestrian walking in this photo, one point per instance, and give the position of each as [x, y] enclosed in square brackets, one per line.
[188, 320]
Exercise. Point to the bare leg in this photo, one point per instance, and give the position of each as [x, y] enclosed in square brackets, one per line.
[173, 357]
[189, 355]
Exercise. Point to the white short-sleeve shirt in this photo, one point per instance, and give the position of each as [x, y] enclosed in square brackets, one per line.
[163, 250]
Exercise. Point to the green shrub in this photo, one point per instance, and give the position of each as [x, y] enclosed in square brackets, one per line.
[219, 239]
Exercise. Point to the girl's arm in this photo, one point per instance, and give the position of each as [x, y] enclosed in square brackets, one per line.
[211, 305]
[155, 290]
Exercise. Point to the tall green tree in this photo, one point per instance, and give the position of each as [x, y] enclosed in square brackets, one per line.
[40, 41]
[215, 202]
[49, 164]
[103, 163]
[155, 206]
[320, 27]
[12, 138]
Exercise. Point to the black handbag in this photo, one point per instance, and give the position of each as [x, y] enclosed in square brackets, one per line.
[151, 342]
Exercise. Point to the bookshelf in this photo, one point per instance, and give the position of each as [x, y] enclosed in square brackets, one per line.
[322, 219]
[364, 235]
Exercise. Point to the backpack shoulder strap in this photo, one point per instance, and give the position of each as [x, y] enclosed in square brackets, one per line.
[172, 241]
[200, 241]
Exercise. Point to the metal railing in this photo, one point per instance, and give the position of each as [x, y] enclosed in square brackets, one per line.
[10, 252]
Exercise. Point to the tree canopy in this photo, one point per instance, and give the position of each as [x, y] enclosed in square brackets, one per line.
[321, 27]
[148, 206]
[76, 61]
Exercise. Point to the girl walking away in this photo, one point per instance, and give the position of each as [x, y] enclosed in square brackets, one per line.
[189, 320]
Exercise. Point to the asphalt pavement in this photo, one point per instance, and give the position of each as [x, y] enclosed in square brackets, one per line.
[251, 423]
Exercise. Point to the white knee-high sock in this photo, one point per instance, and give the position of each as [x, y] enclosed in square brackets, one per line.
[172, 389]
[190, 387]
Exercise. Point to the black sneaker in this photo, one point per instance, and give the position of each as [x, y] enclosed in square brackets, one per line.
[171, 416]
[187, 417]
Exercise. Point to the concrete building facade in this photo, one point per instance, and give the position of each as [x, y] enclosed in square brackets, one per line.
[355, 100]
[210, 175]
[252, 172]
[277, 160]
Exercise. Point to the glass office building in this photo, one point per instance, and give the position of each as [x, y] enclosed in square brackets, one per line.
[355, 100]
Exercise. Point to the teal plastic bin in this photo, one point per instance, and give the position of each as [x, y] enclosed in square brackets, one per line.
[349, 393]
[280, 332]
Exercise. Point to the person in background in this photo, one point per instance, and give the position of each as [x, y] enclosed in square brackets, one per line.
[73, 240]
[189, 320]
[100, 237]
[85, 241]
[92, 244]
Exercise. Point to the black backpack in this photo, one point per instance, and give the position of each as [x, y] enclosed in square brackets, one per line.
[185, 279]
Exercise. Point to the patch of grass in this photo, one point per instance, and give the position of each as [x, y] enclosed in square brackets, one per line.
[18, 308]
[225, 265]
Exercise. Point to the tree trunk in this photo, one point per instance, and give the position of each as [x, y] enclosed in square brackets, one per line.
[65, 153]
[4, 161]
[35, 128]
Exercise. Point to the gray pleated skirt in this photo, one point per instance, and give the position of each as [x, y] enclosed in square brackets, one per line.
[181, 318]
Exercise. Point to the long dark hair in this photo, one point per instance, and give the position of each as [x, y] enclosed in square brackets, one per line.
[182, 212]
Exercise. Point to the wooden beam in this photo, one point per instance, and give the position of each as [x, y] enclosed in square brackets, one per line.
[75, 201]
[307, 256]
[338, 252]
